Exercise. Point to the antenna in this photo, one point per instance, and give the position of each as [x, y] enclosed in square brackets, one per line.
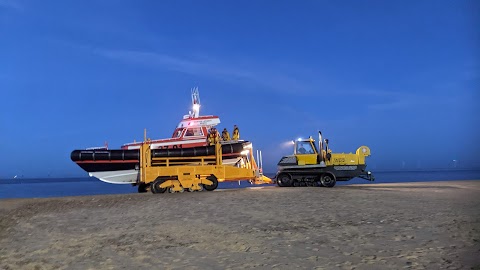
[195, 102]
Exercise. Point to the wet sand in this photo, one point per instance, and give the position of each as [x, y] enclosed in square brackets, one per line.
[428, 225]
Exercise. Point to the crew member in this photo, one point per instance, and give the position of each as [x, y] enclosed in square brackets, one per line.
[225, 135]
[211, 137]
[215, 136]
[236, 133]
[302, 149]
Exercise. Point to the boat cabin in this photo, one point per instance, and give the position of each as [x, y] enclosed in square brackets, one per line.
[195, 127]
[190, 132]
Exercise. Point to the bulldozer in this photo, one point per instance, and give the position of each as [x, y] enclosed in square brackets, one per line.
[319, 166]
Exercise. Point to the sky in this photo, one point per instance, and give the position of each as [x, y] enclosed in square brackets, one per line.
[401, 77]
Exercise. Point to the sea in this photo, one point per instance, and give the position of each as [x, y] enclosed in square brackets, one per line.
[61, 187]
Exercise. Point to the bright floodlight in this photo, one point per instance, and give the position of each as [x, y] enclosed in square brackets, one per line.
[287, 144]
[299, 139]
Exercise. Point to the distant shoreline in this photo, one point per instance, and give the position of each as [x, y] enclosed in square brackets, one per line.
[273, 173]
[427, 170]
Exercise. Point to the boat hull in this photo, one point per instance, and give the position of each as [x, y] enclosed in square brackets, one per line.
[131, 176]
[117, 177]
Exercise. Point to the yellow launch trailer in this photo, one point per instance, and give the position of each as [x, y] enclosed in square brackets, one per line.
[177, 174]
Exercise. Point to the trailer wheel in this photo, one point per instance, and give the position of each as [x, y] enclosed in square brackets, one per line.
[284, 180]
[328, 180]
[142, 188]
[212, 187]
[155, 186]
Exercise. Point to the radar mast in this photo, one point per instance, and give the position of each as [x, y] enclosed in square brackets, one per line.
[195, 102]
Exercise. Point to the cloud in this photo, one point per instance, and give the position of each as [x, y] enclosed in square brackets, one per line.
[375, 100]
[171, 63]
[406, 100]
[210, 67]
[393, 105]
[10, 4]
[390, 100]
[272, 78]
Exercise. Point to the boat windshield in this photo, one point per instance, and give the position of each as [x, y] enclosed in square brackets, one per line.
[177, 133]
[196, 131]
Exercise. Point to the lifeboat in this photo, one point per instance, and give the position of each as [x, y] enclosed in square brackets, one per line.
[122, 166]
[189, 139]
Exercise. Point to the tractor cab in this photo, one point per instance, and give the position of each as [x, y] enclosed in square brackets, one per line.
[306, 151]
[305, 146]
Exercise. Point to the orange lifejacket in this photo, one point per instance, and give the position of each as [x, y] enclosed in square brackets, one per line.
[225, 135]
[236, 134]
[211, 138]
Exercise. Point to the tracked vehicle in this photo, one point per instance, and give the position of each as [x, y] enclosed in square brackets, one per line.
[318, 166]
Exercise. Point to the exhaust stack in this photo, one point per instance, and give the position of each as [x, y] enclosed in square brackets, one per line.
[320, 150]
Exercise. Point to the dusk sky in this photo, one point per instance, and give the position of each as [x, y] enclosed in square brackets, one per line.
[401, 77]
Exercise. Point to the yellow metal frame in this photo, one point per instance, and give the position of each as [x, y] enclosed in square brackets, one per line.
[350, 158]
[180, 174]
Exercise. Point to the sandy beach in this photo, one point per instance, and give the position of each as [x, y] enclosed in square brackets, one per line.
[426, 225]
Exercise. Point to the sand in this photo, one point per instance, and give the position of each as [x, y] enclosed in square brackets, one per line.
[430, 225]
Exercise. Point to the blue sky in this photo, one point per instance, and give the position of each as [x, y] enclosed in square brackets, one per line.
[401, 77]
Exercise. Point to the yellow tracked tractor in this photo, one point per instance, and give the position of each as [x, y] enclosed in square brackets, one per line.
[312, 166]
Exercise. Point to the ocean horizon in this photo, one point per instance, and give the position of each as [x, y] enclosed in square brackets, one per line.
[81, 186]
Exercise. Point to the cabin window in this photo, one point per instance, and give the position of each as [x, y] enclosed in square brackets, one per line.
[304, 148]
[177, 133]
[194, 132]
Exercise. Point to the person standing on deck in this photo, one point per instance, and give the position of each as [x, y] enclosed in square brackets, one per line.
[225, 135]
[216, 136]
[211, 137]
[236, 133]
